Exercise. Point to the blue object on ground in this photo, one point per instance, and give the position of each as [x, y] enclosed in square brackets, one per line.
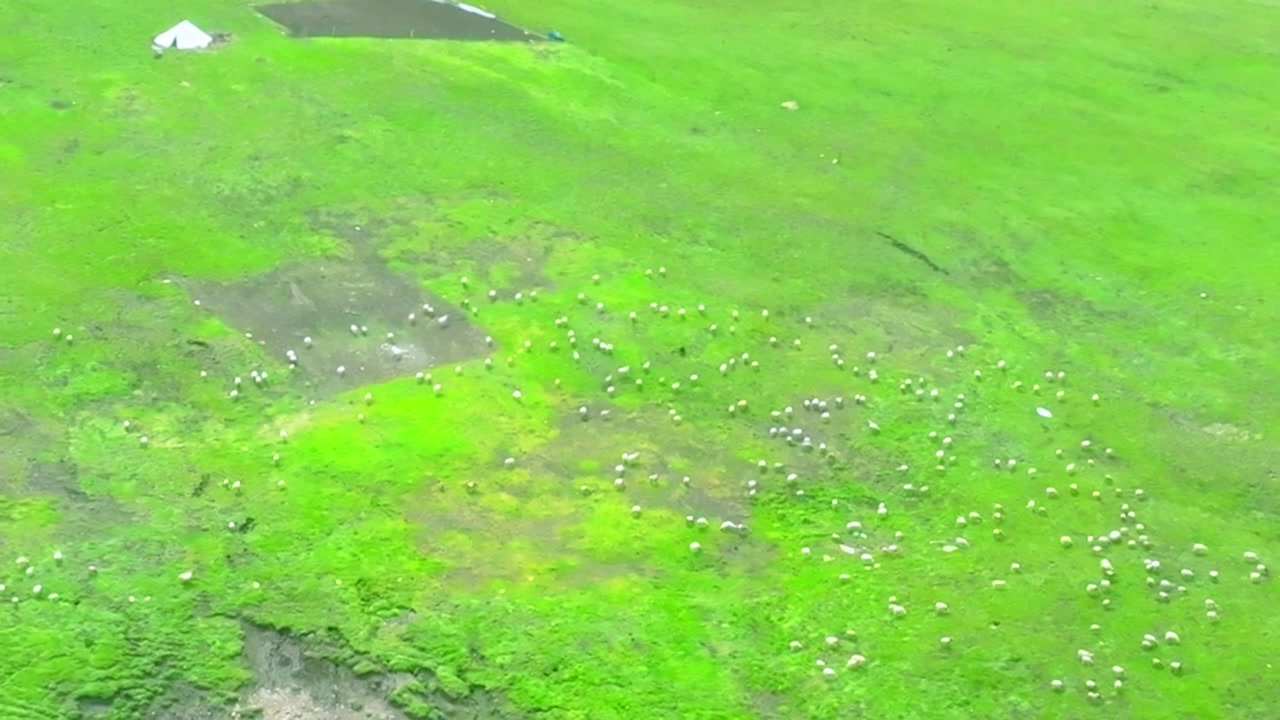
[555, 36]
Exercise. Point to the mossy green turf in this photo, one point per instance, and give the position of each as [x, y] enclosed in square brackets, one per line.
[1084, 173]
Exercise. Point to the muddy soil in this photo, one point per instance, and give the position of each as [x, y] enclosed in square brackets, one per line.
[323, 300]
[417, 19]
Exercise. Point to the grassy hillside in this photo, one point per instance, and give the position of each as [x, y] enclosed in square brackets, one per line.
[979, 194]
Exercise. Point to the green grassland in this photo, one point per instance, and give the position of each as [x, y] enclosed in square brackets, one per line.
[1096, 183]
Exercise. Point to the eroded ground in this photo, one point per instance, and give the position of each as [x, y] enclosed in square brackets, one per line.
[290, 684]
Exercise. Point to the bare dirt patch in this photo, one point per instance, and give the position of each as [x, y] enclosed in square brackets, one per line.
[61, 479]
[34, 463]
[892, 324]
[1228, 431]
[1188, 422]
[416, 19]
[293, 685]
[324, 300]
[290, 684]
[18, 432]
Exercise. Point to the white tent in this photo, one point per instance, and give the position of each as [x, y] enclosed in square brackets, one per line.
[183, 36]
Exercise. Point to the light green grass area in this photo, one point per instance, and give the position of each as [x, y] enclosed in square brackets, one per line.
[1096, 182]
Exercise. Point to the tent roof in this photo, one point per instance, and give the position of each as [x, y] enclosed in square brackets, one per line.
[183, 36]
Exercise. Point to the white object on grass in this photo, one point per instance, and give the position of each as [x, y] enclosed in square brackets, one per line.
[183, 36]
